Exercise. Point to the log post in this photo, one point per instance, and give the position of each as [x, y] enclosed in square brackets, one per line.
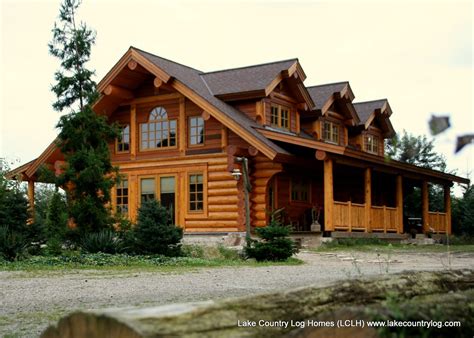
[182, 132]
[424, 206]
[328, 195]
[133, 131]
[447, 208]
[31, 200]
[349, 205]
[399, 199]
[368, 199]
[224, 138]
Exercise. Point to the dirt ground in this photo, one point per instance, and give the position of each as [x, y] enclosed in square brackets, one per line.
[30, 301]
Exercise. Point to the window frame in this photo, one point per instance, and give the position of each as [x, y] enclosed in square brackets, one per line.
[148, 122]
[332, 127]
[301, 184]
[191, 128]
[118, 141]
[279, 116]
[371, 147]
[117, 196]
[188, 193]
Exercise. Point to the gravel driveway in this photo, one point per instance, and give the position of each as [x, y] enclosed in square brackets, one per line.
[30, 301]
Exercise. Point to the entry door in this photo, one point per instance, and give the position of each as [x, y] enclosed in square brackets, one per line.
[168, 194]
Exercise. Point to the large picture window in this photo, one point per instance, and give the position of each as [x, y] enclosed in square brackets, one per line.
[331, 132]
[159, 131]
[122, 197]
[280, 117]
[196, 130]
[123, 141]
[196, 195]
[147, 189]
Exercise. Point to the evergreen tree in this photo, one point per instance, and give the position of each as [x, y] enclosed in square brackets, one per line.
[83, 136]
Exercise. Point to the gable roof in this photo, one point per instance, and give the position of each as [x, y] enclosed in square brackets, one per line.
[245, 79]
[368, 111]
[367, 108]
[322, 93]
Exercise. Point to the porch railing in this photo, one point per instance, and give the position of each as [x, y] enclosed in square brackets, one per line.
[437, 221]
[352, 216]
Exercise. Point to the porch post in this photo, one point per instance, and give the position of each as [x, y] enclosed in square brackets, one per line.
[424, 205]
[133, 131]
[399, 199]
[368, 199]
[447, 208]
[328, 195]
[31, 200]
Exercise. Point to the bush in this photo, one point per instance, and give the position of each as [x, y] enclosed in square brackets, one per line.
[105, 241]
[154, 233]
[274, 246]
[12, 244]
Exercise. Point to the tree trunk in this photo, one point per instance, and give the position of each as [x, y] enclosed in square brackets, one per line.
[365, 298]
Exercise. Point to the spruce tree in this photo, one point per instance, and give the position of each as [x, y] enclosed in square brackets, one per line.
[83, 136]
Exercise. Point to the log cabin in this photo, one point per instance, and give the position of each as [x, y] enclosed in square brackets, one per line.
[309, 150]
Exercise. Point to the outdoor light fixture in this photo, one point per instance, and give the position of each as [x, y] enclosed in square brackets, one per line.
[236, 174]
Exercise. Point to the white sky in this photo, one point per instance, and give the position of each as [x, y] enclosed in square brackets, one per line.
[416, 54]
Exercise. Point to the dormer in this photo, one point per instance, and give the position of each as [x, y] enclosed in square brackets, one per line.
[332, 114]
[271, 94]
[374, 126]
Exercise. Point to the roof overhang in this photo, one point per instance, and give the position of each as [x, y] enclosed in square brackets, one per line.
[382, 115]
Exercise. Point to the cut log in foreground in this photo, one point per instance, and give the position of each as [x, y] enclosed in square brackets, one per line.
[406, 294]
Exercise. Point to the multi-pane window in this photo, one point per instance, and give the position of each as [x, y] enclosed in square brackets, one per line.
[123, 141]
[147, 189]
[372, 144]
[280, 117]
[331, 132]
[196, 130]
[196, 196]
[122, 197]
[159, 131]
[300, 189]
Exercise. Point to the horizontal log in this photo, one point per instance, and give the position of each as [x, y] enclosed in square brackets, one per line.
[222, 192]
[119, 92]
[205, 115]
[132, 64]
[223, 215]
[217, 167]
[222, 199]
[210, 224]
[222, 208]
[258, 206]
[215, 229]
[157, 82]
[259, 189]
[222, 184]
[418, 292]
[258, 198]
[262, 182]
[220, 176]
[233, 150]
[265, 173]
[252, 151]
[320, 155]
[260, 215]
[259, 223]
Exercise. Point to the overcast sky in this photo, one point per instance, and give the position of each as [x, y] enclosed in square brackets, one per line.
[416, 54]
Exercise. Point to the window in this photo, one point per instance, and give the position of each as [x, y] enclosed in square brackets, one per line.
[372, 144]
[300, 189]
[196, 196]
[147, 189]
[123, 141]
[196, 130]
[122, 197]
[331, 132]
[158, 132]
[280, 117]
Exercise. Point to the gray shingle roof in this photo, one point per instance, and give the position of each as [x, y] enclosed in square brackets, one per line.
[365, 109]
[193, 79]
[245, 79]
[321, 93]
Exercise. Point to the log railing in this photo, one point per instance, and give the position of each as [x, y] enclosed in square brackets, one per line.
[351, 216]
[437, 221]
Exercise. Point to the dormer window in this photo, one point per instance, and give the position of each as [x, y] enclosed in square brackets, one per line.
[159, 132]
[331, 132]
[123, 141]
[372, 144]
[280, 117]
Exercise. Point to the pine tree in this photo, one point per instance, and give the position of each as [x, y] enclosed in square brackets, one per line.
[83, 136]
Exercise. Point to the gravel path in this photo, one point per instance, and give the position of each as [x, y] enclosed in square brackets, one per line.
[30, 301]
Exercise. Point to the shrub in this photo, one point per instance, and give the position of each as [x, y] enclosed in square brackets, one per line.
[154, 233]
[12, 244]
[275, 245]
[105, 241]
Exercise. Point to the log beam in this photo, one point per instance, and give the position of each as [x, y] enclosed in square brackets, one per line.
[157, 82]
[132, 64]
[320, 155]
[133, 131]
[368, 199]
[252, 151]
[328, 195]
[116, 91]
[205, 115]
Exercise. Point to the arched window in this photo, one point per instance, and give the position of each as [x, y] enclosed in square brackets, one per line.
[159, 131]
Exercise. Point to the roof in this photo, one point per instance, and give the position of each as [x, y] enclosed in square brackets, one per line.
[193, 79]
[245, 79]
[322, 93]
[367, 108]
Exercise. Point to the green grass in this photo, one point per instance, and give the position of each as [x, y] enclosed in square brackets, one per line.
[377, 245]
[194, 257]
